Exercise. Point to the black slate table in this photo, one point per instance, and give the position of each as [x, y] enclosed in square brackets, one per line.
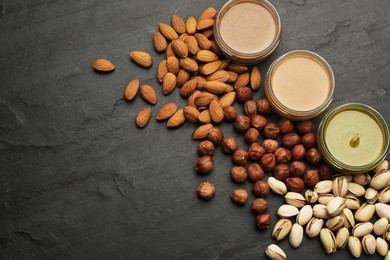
[78, 180]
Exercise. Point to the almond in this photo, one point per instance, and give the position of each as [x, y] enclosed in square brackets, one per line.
[177, 119]
[255, 78]
[103, 65]
[209, 13]
[191, 114]
[169, 83]
[238, 68]
[189, 65]
[214, 48]
[204, 99]
[209, 32]
[220, 75]
[203, 42]
[147, 92]
[210, 67]
[242, 81]
[191, 99]
[200, 83]
[159, 41]
[191, 25]
[142, 58]
[168, 31]
[227, 100]
[178, 24]
[188, 88]
[173, 65]
[192, 44]
[162, 70]
[131, 90]
[202, 132]
[204, 24]
[204, 117]
[215, 87]
[182, 77]
[229, 88]
[232, 77]
[216, 112]
[166, 111]
[169, 52]
[180, 48]
[184, 36]
[225, 64]
[143, 117]
[206, 56]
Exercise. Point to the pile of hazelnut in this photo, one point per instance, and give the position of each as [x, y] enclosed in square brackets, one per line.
[287, 148]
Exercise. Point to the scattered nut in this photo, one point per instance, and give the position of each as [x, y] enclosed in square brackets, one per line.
[259, 206]
[239, 196]
[215, 135]
[242, 123]
[313, 156]
[268, 162]
[206, 190]
[255, 172]
[271, 131]
[206, 148]
[311, 178]
[256, 151]
[240, 157]
[229, 145]
[263, 107]
[297, 169]
[261, 188]
[282, 155]
[238, 174]
[204, 164]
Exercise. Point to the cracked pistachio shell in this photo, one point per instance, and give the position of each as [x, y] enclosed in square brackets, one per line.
[342, 237]
[355, 189]
[295, 199]
[274, 252]
[311, 196]
[296, 235]
[277, 186]
[287, 211]
[340, 187]
[323, 187]
[384, 195]
[362, 179]
[348, 177]
[382, 166]
[380, 226]
[382, 210]
[335, 223]
[386, 235]
[325, 198]
[365, 212]
[371, 195]
[313, 228]
[349, 219]
[381, 246]
[354, 246]
[352, 202]
[362, 229]
[320, 211]
[380, 180]
[369, 244]
[335, 206]
[328, 241]
[282, 229]
[304, 215]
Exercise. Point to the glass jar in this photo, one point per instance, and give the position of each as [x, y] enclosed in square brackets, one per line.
[353, 138]
[247, 31]
[299, 85]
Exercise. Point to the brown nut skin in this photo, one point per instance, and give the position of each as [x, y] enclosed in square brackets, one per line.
[240, 157]
[263, 107]
[297, 169]
[271, 131]
[295, 184]
[291, 139]
[309, 140]
[285, 126]
[260, 188]
[252, 135]
[238, 174]
[259, 122]
[311, 177]
[215, 135]
[298, 152]
[268, 162]
[230, 113]
[250, 108]
[259, 206]
[325, 172]
[204, 164]
[256, 151]
[206, 148]
[282, 155]
[206, 190]
[281, 172]
[242, 123]
[263, 221]
[239, 196]
[313, 156]
[304, 127]
[255, 172]
[270, 145]
[229, 145]
[244, 94]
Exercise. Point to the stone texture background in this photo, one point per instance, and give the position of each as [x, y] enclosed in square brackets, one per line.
[78, 180]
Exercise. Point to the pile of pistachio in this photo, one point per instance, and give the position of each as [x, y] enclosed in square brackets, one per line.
[341, 213]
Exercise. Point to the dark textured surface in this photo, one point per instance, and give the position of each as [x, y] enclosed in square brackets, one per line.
[78, 180]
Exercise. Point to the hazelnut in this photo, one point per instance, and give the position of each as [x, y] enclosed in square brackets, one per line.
[295, 184]
[239, 196]
[263, 107]
[259, 122]
[263, 221]
[215, 135]
[285, 126]
[291, 139]
[242, 123]
[259, 206]
[309, 140]
[204, 164]
[281, 172]
[229, 145]
[252, 135]
[206, 148]
[298, 152]
[297, 169]
[311, 177]
[238, 174]
[313, 156]
[268, 162]
[250, 108]
[206, 190]
[256, 151]
[282, 155]
[325, 172]
[255, 172]
[240, 157]
[270, 145]
[260, 188]
[271, 131]
[230, 113]
[304, 127]
[244, 94]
